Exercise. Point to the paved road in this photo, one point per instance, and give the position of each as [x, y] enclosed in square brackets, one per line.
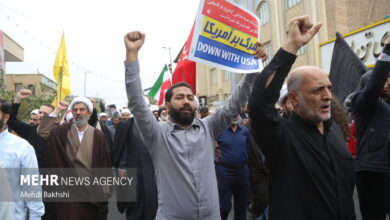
[113, 213]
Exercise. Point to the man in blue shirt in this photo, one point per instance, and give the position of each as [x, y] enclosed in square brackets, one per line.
[16, 152]
[232, 170]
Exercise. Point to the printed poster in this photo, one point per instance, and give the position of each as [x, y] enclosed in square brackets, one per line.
[225, 37]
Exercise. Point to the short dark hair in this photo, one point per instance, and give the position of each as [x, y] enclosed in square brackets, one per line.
[169, 93]
[155, 111]
[50, 106]
[5, 107]
[203, 110]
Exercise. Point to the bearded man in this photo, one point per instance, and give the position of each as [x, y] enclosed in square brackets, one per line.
[182, 148]
[76, 145]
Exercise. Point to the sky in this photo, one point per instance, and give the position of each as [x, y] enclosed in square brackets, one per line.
[94, 32]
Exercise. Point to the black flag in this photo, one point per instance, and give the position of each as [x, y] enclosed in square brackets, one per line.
[345, 69]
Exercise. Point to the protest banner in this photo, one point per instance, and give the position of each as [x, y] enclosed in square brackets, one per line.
[225, 37]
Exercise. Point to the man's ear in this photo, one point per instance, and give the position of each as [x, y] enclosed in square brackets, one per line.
[293, 97]
[167, 106]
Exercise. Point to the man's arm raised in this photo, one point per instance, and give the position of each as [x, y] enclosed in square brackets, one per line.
[143, 117]
[264, 117]
[220, 120]
[20, 127]
[48, 121]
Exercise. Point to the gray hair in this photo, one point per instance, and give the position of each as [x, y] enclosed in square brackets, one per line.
[294, 81]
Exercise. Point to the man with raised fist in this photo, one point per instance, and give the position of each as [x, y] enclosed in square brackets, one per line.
[76, 145]
[182, 148]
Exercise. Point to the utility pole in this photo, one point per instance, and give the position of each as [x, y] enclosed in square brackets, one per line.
[170, 59]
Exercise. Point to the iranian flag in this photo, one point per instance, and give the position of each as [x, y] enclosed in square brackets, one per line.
[161, 85]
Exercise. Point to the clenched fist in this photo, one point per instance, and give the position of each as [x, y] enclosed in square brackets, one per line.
[61, 106]
[22, 94]
[133, 42]
[300, 32]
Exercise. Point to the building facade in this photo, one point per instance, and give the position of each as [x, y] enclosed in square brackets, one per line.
[10, 51]
[38, 83]
[343, 16]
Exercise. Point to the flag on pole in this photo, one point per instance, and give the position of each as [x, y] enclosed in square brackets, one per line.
[61, 72]
[161, 85]
[345, 69]
[185, 70]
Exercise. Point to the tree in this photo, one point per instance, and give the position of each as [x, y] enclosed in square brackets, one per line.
[29, 104]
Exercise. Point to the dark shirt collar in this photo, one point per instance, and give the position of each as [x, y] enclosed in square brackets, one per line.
[299, 120]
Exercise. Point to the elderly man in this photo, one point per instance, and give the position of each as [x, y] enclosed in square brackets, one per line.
[311, 168]
[16, 152]
[232, 171]
[76, 145]
[182, 148]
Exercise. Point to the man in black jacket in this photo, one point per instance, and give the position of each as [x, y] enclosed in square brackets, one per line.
[371, 111]
[30, 134]
[311, 168]
[29, 131]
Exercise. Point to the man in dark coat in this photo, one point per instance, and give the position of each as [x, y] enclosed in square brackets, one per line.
[77, 145]
[371, 111]
[311, 168]
[130, 152]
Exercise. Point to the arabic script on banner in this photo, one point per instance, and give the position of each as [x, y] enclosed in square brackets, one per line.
[225, 37]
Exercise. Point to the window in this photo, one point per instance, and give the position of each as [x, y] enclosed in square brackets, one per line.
[268, 50]
[227, 75]
[213, 76]
[263, 13]
[290, 3]
[18, 86]
[31, 88]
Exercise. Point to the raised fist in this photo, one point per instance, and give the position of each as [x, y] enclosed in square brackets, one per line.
[61, 106]
[300, 32]
[22, 94]
[134, 41]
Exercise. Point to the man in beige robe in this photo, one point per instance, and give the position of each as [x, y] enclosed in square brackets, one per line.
[77, 145]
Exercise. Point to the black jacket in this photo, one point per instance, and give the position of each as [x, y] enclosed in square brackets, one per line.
[312, 175]
[30, 134]
[130, 152]
[372, 120]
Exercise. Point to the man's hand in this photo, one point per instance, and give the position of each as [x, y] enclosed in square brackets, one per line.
[260, 52]
[61, 106]
[122, 173]
[300, 32]
[133, 42]
[22, 94]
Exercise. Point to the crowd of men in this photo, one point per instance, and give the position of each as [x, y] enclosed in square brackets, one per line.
[277, 148]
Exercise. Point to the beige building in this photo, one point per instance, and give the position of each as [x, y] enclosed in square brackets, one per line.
[10, 51]
[343, 16]
[38, 83]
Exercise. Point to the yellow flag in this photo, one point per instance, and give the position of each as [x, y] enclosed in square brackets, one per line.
[61, 72]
